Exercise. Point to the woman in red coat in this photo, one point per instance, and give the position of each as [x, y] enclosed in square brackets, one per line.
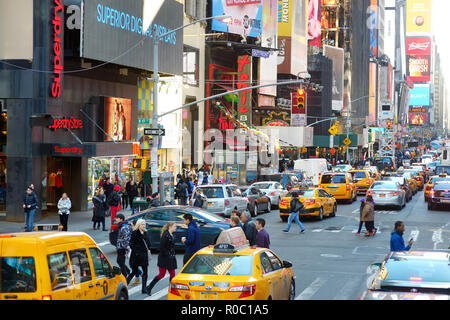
[114, 203]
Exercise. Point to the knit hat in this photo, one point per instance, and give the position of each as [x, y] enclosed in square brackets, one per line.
[116, 187]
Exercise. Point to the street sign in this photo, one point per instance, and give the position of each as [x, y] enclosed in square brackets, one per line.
[333, 151]
[347, 141]
[333, 130]
[154, 132]
[144, 121]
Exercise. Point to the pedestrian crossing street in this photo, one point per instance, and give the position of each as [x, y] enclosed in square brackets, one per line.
[384, 212]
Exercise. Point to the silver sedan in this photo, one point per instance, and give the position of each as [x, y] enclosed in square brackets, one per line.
[274, 190]
[388, 193]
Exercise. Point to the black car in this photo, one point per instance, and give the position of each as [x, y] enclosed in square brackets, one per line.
[210, 225]
[410, 275]
[440, 195]
[258, 201]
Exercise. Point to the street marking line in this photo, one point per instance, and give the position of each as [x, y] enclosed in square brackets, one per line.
[137, 287]
[316, 230]
[101, 244]
[414, 235]
[161, 293]
[311, 290]
[437, 238]
[346, 293]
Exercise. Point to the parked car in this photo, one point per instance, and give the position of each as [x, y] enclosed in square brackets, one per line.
[274, 190]
[258, 201]
[210, 224]
[222, 198]
[388, 193]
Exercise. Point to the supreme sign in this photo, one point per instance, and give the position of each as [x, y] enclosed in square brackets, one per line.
[57, 49]
[65, 123]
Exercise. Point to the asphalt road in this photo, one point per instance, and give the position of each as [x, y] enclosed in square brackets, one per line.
[329, 261]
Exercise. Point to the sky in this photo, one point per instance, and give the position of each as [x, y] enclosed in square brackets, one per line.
[441, 16]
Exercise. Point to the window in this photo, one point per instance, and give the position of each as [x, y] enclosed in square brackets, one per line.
[191, 66]
[60, 274]
[212, 192]
[230, 265]
[158, 215]
[323, 194]
[102, 268]
[80, 266]
[229, 192]
[276, 263]
[17, 274]
[328, 178]
[265, 263]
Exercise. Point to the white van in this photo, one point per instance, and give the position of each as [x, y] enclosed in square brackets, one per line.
[312, 168]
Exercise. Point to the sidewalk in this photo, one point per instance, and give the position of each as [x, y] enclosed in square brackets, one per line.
[78, 221]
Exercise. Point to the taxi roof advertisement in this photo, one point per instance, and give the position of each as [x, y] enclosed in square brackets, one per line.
[113, 30]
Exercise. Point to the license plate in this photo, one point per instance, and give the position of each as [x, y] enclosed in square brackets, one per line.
[208, 296]
[382, 195]
[210, 204]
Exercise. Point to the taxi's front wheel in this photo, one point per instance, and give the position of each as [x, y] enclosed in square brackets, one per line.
[292, 290]
[320, 214]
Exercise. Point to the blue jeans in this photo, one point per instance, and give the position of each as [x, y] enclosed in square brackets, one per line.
[294, 216]
[29, 220]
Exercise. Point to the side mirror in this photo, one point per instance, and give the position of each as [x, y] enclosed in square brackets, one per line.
[287, 264]
[116, 271]
[201, 221]
[374, 267]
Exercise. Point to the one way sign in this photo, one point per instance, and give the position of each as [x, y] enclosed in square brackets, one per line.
[154, 132]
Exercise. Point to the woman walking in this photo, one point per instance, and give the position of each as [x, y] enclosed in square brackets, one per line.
[296, 206]
[100, 208]
[368, 216]
[361, 222]
[140, 250]
[64, 205]
[167, 261]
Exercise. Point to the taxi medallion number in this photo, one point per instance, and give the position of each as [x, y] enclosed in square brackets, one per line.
[208, 296]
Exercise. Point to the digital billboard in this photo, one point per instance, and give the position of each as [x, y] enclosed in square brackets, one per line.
[418, 46]
[117, 118]
[418, 68]
[113, 31]
[418, 118]
[418, 16]
[420, 95]
[337, 56]
[314, 23]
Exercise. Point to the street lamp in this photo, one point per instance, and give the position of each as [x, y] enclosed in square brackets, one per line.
[156, 39]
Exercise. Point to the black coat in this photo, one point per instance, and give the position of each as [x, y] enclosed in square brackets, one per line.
[132, 191]
[108, 188]
[139, 245]
[166, 257]
[100, 206]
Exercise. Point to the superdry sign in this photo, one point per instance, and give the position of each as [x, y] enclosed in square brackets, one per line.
[66, 123]
[418, 45]
[58, 13]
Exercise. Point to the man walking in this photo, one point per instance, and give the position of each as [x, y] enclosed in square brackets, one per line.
[397, 242]
[30, 203]
[249, 227]
[262, 238]
[192, 240]
[123, 242]
[296, 206]
[181, 190]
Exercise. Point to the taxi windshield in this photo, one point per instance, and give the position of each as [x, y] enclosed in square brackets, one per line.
[302, 193]
[359, 175]
[228, 265]
[420, 270]
[329, 178]
[17, 274]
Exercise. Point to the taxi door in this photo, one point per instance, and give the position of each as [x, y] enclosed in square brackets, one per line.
[61, 279]
[84, 288]
[281, 281]
[325, 201]
[103, 283]
[270, 276]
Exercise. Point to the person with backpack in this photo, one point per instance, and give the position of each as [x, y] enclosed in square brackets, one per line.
[200, 199]
[296, 206]
[368, 216]
[123, 242]
[114, 203]
[181, 190]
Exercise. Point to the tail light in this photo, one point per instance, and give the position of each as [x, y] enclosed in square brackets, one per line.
[395, 194]
[369, 182]
[247, 290]
[47, 297]
[227, 203]
[248, 198]
[309, 202]
[369, 193]
[348, 187]
[432, 192]
[174, 287]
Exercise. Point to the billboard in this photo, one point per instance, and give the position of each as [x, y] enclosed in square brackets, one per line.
[418, 68]
[268, 66]
[314, 23]
[389, 33]
[292, 36]
[118, 118]
[113, 31]
[420, 95]
[372, 93]
[418, 16]
[337, 56]
[246, 17]
[418, 118]
[244, 80]
[418, 46]
[373, 28]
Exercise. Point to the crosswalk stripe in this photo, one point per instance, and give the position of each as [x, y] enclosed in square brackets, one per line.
[101, 244]
[316, 230]
[347, 291]
[137, 288]
[311, 290]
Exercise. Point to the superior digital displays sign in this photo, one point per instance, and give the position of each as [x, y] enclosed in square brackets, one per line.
[420, 95]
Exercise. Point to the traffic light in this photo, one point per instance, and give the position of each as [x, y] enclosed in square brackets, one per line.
[301, 99]
[136, 163]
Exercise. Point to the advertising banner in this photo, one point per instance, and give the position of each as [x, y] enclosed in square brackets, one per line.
[372, 93]
[113, 31]
[244, 80]
[269, 39]
[418, 16]
[337, 56]
[389, 33]
[246, 17]
[418, 118]
[314, 23]
[418, 68]
[420, 95]
[373, 27]
[118, 118]
[418, 46]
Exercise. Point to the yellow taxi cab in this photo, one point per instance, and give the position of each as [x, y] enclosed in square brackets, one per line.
[418, 177]
[340, 185]
[412, 181]
[231, 270]
[363, 179]
[429, 187]
[57, 266]
[317, 202]
[374, 173]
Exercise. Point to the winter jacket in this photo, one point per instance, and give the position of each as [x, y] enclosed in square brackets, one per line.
[397, 242]
[132, 191]
[368, 212]
[140, 245]
[199, 201]
[181, 189]
[100, 205]
[296, 206]
[166, 256]
[30, 200]
[108, 188]
[250, 232]
[192, 238]
[114, 199]
[263, 239]
[155, 203]
[64, 206]
[124, 236]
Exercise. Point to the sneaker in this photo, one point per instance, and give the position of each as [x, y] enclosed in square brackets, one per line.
[285, 231]
[302, 231]
[136, 281]
[357, 233]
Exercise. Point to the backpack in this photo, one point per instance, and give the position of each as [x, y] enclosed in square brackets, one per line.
[297, 207]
